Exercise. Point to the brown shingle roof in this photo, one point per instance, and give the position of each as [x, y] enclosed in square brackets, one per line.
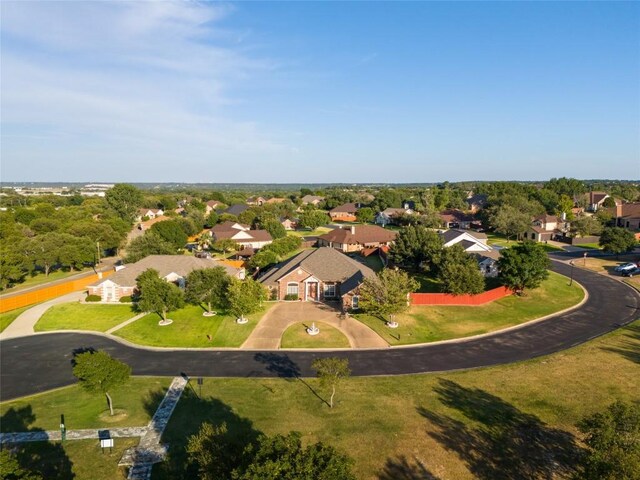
[363, 234]
[346, 208]
[453, 215]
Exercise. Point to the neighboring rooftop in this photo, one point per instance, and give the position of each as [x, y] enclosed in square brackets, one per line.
[362, 234]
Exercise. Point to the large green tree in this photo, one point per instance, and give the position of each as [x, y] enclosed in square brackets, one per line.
[216, 455]
[171, 231]
[509, 221]
[617, 240]
[586, 225]
[245, 297]
[417, 248]
[148, 244]
[125, 200]
[523, 266]
[157, 295]
[97, 371]
[613, 441]
[313, 219]
[365, 215]
[459, 272]
[331, 371]
[387, 294]
[209, 286]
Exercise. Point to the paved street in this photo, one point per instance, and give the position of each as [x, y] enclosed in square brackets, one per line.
[41, 362]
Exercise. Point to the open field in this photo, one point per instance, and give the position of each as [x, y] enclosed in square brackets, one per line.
[296, 336]
[448, 425]
[8, 317]
[83, 316]
[433, 323]
[191, 329]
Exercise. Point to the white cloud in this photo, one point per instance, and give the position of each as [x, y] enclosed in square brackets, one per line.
[130, 83]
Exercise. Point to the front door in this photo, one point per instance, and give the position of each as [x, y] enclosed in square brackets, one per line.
[313, 292]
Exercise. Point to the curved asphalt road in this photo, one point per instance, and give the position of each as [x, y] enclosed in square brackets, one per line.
[40, 362]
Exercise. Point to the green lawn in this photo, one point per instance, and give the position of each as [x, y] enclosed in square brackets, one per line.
[448, 424]
[80, 316]
[434, 323]
[8, 317]
[374, 262]
[139, 398]
[589, 246]
[496, 239]
[296, 336]
[428, 284]
[309, 233]
[191, 329]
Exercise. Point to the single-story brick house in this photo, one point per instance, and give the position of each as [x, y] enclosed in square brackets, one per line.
[344, 213]
[454, 218]
[322, 274]
[388, 216]
[311, 199]
[212, 205]
[149, 213]
[172, 268]
[357, 237]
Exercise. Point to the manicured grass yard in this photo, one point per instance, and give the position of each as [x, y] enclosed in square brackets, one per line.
[434, 323]
[80, 316]
[589, 246]
[296, 336]
[40, 278]
[8, 317]
[406, 426]
[190, 329]
[309, 233]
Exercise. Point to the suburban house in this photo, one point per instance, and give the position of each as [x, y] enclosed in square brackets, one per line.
[236, 209]
[474, 243]
[595, 200]
[321, 274]
[409, 205]
[275, 200]
[344, 213]
[356, 238]
[150, 213]
[453, 218]
[211, 205]
[627, 215]
[289, 223]
[259, 201]
[241, 234]
[546, 227]
[476, 202]
[172, 268]
[312, 199]
[389, 215]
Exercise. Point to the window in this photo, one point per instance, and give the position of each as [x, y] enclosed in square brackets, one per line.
[355, 302]
[292, 288]
[329, 290]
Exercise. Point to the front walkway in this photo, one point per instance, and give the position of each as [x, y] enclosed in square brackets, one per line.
[24, 324]
[268, 332]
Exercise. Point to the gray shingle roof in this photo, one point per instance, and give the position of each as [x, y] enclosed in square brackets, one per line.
[326, 264]
[164, 264]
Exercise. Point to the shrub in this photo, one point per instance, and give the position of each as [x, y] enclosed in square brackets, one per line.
[93, 298]
[126, 299]
[291, 296]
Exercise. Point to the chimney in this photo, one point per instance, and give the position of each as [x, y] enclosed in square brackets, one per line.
[564, 216]
[353, 229]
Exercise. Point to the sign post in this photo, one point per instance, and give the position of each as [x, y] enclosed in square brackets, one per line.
[106, 443]
[63, 429]
[200, 386]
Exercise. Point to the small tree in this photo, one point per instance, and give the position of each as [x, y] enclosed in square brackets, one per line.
[275, 228]
[613, 438]
[207, 285]
[617, 240]
[365, 215]
[99, 372]
[245, 296]
[331, 371]
[224, 245]
[387, 293]
[157, 295]
[459, 272]
[523, 266]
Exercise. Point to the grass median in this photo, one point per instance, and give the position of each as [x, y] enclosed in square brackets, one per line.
[296, 336]
[84, 316]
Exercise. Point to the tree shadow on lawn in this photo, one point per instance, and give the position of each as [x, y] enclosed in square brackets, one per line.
[283, 367]
[401, 468]
[46, 459]
[502, 442]
[190, 413]
[630, 347]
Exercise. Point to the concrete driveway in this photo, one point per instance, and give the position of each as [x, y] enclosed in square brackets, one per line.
[268, 332]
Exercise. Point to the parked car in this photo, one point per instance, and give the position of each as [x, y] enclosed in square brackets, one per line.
[631, 273]
[625, 267]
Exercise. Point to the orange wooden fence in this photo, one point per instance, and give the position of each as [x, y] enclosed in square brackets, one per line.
[449, 299]
[47, 293]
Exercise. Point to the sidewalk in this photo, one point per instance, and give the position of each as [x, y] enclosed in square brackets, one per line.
[26, 321]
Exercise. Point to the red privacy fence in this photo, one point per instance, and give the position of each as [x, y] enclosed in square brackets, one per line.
[449, 299]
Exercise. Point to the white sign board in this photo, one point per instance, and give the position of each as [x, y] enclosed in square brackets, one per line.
[106, 442]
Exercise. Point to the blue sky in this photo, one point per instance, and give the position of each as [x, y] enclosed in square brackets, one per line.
[319, 92]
